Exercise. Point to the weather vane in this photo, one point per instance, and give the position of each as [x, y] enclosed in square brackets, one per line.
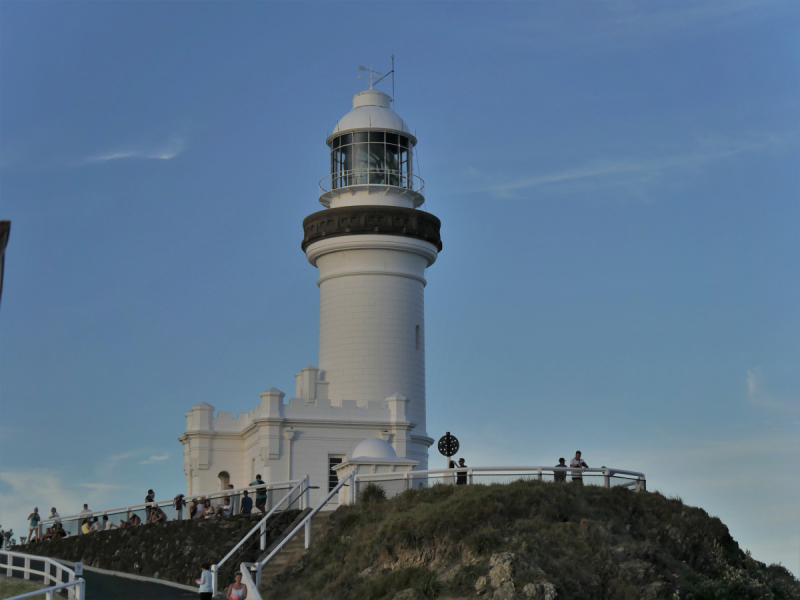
[373, 73]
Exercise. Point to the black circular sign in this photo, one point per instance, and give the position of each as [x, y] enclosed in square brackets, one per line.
[448, 445]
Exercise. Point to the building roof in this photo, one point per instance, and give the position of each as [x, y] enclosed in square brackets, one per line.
[375, 448]
[371, 110]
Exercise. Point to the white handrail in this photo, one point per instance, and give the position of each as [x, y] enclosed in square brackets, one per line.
[77, 585]
[187, 499]
[247, 580]
[640, 482]
[454, 470]
[261, 526]
[305, 524]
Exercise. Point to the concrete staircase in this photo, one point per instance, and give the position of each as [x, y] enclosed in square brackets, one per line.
[292, 551]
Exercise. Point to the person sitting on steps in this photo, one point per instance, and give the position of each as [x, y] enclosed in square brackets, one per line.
[237, 590]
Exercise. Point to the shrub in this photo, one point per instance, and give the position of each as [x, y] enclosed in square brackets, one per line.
[372, 494]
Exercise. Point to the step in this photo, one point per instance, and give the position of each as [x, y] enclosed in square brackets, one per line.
[291, 552]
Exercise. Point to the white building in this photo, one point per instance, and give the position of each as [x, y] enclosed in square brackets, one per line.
[371, 247]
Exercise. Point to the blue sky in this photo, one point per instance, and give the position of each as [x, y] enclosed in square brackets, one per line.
[617, 182]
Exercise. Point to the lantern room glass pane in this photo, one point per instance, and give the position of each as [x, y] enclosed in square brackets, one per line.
[392, 138]
[347, 138]
[376, 136]
[360, 137]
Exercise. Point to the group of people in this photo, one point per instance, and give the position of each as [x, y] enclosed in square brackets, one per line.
[198, 508]
[576, 464]
[236, 591]
[51, 533]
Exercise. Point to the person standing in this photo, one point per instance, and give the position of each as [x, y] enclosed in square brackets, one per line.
[179, 503]
[55, 516]
[206, 590]
[34, 519]
[261, 494]
[247, 503]
[151, 496]
[234, 500]
[461, 479]
[579, 463]
[560, 476]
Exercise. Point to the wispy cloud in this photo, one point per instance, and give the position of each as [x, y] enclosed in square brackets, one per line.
[165, 152]
[621, 171]
[102, 487]
[758, 397]
[44, 488]
[154, 459]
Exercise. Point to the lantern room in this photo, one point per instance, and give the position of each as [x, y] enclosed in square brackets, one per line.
[372, 151]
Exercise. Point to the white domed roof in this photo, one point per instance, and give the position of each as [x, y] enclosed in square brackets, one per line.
[374, 448]
[371, 110]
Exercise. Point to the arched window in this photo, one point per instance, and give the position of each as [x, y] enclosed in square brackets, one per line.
[224, 480]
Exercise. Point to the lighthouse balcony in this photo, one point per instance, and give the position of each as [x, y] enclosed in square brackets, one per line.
[384, 182]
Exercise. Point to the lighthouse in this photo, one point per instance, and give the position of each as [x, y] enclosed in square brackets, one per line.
[371, 245]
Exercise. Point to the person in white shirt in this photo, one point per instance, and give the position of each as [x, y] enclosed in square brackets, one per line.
[205, 582]
[227, 508]
[55, 516]
[576, 472]
[85, 512]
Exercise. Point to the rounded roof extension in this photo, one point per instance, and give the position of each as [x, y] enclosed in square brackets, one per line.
[374, 448]
[371, 110]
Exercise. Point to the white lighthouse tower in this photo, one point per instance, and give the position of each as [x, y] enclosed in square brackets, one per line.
[372, 247]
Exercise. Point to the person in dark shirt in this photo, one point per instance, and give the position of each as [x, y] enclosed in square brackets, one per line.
[560, 475]
[247, 503]
[461, 478]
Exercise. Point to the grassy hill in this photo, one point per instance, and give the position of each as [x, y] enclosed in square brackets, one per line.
[527, 539]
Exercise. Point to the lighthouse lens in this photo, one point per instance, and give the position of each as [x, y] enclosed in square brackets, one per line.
[371, 157]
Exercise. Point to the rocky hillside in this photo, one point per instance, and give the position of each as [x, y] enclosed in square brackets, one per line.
[172, 551]
[527, 540]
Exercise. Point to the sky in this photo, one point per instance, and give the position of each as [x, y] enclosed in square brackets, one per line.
[618, 189]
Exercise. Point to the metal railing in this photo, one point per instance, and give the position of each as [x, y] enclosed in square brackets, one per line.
[51, 572]
[72, 523]
[395, 483]
[247, 580]
[261, 526]
[305, 525]
[379, 177]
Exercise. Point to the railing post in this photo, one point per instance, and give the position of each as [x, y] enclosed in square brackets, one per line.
[27, 564]
[471, 480]
[354, 487]
[607, 478]
[539, 474]
[308, 492]
[80, 592]
[308, 534]
[214, 578]
[263, 536]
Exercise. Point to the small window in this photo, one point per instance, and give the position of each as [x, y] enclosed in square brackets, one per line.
[419, 338]
[333, 478]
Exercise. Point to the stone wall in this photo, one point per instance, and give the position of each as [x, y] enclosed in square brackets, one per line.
[172, 551]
